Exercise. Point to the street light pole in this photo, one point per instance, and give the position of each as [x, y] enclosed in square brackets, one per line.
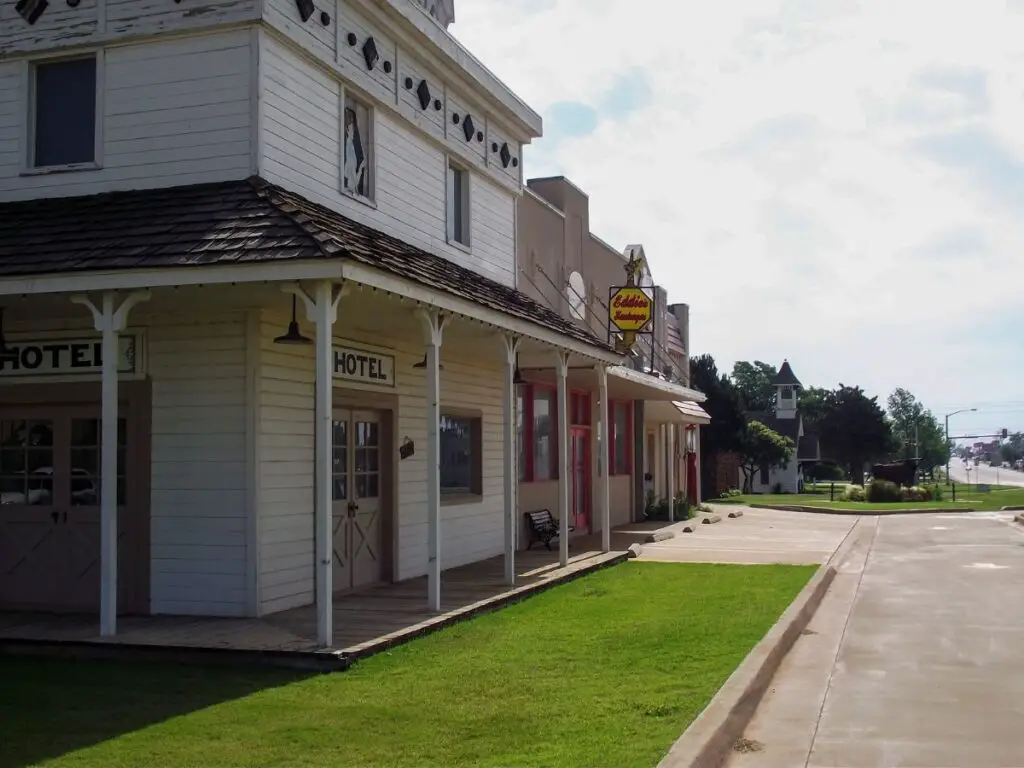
[949, 445]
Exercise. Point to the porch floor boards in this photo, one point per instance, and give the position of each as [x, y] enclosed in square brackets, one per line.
[364, 622]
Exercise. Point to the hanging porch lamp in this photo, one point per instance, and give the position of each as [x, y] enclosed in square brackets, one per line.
[423, 363]
[517, 377]
[293, 335]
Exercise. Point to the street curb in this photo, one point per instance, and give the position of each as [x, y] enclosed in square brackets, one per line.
[708, 742]
[1011, 509]
[863, 512]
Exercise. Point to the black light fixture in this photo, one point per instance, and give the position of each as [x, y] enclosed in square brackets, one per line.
[3, 341]
[293, 336]
[517, 377]
[423, 363]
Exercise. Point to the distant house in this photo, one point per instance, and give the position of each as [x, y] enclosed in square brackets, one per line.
[787, 421]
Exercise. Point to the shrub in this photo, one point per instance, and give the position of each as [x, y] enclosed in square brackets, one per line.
[824, 472]
[731, 493]
[854, 493]
[777, 488]
[936, 492]
[916, 493]
[681, 509]
[882, 491]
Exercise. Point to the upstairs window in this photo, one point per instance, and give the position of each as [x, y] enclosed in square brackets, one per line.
[357, 149]
[787, 393]
[458, 204]
[63, 113]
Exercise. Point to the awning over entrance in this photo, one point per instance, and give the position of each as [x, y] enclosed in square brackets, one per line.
[664, 412]
[624, 384]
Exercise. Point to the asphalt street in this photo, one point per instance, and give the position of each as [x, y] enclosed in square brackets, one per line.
[912, 659]
[983, 473]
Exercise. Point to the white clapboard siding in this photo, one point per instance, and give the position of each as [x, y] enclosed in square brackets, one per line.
[198, 502]
[301, 150]
[175, 112]
[61, 26]
[285, 389]
[470, 531]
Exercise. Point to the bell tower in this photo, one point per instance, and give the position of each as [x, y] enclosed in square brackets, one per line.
[787, 388]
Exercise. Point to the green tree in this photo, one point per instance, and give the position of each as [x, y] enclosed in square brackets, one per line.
[1013, 449]
[854, 430]
[916, 430]
[725, 432]
[812, 407]
[756, 384]
[762, 447]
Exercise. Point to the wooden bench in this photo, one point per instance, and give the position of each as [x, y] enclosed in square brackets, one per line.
[543, 527]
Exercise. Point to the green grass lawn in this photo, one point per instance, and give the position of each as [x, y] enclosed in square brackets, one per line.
[604, 671]
[966, 497]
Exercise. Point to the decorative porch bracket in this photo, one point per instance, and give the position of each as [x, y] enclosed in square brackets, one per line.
[433, 331]
[604, 454]
[509, 454]
[110, 320]
[564, 459]
[322, 310]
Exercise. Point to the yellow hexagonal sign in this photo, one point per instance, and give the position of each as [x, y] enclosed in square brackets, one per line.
[630, 309]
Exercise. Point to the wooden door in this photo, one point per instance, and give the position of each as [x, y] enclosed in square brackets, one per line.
[341, 571]
[357, 486]
[50, 514]
[365, 522]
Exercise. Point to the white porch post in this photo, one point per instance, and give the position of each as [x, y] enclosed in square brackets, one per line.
[564, 460]
[433, 328]
[110, 321]
[670, 437]
[659, 477]
[696, 443]
[511, 477]
[604, 451]
[322, 311]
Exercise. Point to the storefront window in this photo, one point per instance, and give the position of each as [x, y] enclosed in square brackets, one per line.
[460, 454]
[543, 434]
[621, 423]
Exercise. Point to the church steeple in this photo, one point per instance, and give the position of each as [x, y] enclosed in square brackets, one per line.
[787, 387]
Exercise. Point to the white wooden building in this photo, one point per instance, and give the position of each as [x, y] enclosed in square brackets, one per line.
[189, 191]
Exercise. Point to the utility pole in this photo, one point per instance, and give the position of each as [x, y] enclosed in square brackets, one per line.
[949, 446]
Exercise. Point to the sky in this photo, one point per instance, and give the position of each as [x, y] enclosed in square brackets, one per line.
[834, 182]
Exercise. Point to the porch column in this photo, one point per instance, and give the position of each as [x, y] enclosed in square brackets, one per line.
[433, 330]
[696, 448]
[511, 477]
[322, 311]
[109, 320]
[564, 460]
[603, 452]
[670, 449]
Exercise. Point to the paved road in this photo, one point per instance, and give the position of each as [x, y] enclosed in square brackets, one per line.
[915, 657]
[759, 536]
[983, 473]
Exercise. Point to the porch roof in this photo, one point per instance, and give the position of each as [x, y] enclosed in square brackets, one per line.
[623, 384]
[676, 412]
[233, 223]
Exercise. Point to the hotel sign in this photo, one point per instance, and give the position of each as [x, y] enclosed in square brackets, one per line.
[63, 357]
[364, 367]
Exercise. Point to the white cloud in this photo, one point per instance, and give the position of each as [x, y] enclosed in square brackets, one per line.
[780, 173]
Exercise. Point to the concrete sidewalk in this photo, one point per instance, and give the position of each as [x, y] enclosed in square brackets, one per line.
[759, 536]
[913, 659]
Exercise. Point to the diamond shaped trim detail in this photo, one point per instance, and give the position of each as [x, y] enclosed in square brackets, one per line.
[306, 9]
[468, 129]
[423, 94]
[370, 54]
[31, 10]
[506, 155]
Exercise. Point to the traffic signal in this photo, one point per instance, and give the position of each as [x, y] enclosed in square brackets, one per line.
[1004, 433]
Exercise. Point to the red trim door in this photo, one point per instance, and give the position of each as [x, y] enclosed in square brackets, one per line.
[579, 450]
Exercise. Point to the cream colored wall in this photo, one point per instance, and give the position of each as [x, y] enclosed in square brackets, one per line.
[471, 529]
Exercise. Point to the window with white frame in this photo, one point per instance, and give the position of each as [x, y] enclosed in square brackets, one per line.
[460, 461]
[458, 204]
[357, 148]
[63, 113]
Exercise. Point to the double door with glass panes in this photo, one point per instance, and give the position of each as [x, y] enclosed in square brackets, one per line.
[50, 510]
[357, 485]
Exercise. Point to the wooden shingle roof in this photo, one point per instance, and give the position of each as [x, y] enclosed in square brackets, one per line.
[234, 222]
